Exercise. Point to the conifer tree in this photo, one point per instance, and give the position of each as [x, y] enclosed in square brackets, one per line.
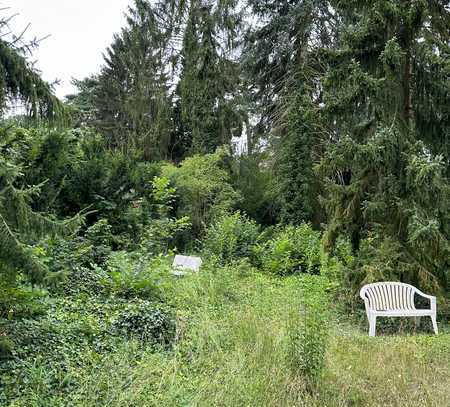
[279, 42]
[362, 89]
[386, 162]
[128, 102]
[284, 62]
[19, 80]
[20, 226]
[209, 90]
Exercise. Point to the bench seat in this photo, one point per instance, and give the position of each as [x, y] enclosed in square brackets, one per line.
[404, 313]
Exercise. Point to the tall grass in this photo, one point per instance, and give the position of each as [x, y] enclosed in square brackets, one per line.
[234, 348]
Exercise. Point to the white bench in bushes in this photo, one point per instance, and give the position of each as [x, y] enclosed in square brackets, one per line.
[391, 299]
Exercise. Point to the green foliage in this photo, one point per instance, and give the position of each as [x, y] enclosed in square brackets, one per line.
[20, 302]
[19, 79]
[146, 322]
[231, 237]
[255, 181]
[203, 187]
[280, 56]
[164, 231]
[343, 104]
[128, 102]
[20, 225]
[409, 219]
[209, 87]
[6, 348]
[300, 126]
[308, 332]
[132, 275]
[291, 250]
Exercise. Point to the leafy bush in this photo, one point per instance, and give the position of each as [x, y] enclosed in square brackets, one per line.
[132, 275]
[204, 188]
[75, 265]
[256, 183]
[163, 230]
[146, 322]
[291, 250]
[308, 331]
[230, 237]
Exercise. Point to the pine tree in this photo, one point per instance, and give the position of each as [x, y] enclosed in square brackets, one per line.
[128, 102]
[19, 80]
[383, 176]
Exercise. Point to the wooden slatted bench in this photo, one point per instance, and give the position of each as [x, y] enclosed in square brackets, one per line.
[392, 299]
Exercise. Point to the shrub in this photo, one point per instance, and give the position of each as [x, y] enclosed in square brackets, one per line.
[232, 236]
[256, 183]
[291, 250]
[204, 188]
[146, 322]
[308, 331]
[163, 230]
[76, 265]
[131, 275]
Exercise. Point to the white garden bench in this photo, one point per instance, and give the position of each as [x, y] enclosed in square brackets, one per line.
[390, 299]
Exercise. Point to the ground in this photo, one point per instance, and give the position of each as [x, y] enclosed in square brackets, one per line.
[232, 349]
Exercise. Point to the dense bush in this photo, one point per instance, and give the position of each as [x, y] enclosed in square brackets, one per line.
[21, 302]
[256, 182]
[163, 231]
[291, 250]
[146, 322]
[78, 171]
[230, 237]
[204, 188]
[132, 275]
[75, 265]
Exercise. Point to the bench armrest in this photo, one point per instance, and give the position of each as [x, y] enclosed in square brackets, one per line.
[432, 298]
[425, 295]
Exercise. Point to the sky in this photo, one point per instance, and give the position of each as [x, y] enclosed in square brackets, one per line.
[80, 31]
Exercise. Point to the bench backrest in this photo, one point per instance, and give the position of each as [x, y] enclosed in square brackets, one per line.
[388, 296]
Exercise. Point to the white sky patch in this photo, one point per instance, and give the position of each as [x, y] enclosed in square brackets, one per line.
[80, 31]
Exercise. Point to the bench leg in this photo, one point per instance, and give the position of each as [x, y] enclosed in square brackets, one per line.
[433, 320]
[372, 325]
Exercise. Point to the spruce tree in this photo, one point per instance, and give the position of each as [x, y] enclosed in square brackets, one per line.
[282, 37]
[360, 91]
[20, 81]
[128, 102]
[209, 90]
[386, 161]
[285, 65]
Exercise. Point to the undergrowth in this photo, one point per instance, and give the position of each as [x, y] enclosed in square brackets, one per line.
[234, 345]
